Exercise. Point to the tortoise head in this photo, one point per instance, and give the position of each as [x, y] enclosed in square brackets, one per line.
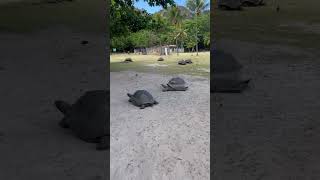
[63, 107]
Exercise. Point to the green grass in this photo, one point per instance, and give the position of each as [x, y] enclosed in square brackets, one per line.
[200, 63]
[264, 25]
[79, 15]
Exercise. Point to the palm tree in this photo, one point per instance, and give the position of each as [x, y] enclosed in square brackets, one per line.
[192, 31]
[160, 27]
[180, 34]
[175, 17]
[197, 7]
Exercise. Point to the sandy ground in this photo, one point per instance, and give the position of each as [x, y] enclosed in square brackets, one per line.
[169, 141]
[36, 69]
[271, 131]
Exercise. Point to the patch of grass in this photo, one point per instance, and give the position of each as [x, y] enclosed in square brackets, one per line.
[79, 15]
[264, 25]
[199, 66]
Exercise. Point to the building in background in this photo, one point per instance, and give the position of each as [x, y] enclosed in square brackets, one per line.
[159, 50]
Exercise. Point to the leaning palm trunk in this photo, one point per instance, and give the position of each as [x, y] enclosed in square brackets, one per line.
[160, 48]
[182, 45]
[197, 41]
[177, 47]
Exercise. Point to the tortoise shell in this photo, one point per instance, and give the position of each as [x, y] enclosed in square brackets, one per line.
[142, 98]
[88, 116]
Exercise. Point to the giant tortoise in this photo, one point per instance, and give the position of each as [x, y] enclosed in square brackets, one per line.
[252, 2]
[142, 99]
[175, 84]
[88, 117]
[226, 75]
[229, 4]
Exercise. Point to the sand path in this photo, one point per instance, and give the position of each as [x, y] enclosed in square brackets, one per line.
[169, 141]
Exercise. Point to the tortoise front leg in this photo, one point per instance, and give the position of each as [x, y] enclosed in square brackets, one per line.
[164, 88]
[64, 124]
[104, 143]
[170, 88]
[63, 107]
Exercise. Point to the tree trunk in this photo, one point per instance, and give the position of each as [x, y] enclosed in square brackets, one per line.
[160, 48]
[182, 44]
[197, 44]
[177, 47]
[197, 34]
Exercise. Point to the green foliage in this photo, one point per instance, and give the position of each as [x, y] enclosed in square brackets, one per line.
[175, 16]
[206, 38]
[132, 28]
[144, 38]
[158, 23]
[185, 12]
[127, 23]
[197, 6]
[125, 19]
[192, 31]
[203, 22]
[121, 43]
[198, 30]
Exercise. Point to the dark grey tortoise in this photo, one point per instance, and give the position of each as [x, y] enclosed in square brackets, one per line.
[88, 117]
[249, 3]
[128, 60]
[160, 59]
[227, 74]
[182, 62]
[188, 61]
[142, 99]
[175, 84]
[229, 85]
[229, 4]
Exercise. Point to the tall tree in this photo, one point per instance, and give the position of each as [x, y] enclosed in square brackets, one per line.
[160, 26]
[125, 19]
[175, 17]
[206, 38]
[180, 35]
[192, 31]
[144, 38]
[197, 7]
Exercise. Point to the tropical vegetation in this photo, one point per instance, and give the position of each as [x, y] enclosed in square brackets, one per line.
[185, 26]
